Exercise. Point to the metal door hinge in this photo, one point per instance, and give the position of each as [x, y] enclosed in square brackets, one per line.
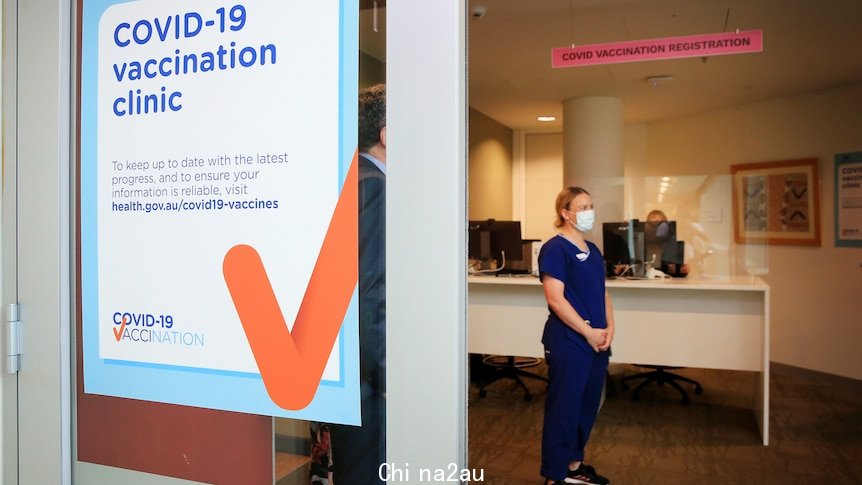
[12, 339]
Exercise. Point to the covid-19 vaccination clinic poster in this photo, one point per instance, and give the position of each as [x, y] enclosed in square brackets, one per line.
[218, 204]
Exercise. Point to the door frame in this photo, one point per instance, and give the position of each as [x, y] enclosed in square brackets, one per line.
[426, 237]
[37, 238]
[8, 241]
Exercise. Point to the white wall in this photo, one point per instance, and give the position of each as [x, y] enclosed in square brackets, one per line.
[543, 179]
[490, 169]
[816, 308]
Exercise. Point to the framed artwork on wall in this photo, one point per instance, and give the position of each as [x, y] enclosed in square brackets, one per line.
[776, 202]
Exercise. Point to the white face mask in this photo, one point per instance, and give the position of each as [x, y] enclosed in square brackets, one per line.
[585, 220]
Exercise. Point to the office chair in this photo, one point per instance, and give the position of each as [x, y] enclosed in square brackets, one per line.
[509, 367]
[660, 375]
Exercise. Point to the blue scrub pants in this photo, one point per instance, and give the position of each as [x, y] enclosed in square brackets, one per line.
[575, 382]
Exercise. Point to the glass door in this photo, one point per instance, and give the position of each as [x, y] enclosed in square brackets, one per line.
[60, 434]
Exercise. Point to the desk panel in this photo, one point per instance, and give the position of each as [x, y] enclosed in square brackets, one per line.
[716, 324]
[716, 329]
[509, 319]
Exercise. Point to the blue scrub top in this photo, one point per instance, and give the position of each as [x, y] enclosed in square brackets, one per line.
[583, 274]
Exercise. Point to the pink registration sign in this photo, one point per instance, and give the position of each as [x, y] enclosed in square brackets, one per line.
[655, 49]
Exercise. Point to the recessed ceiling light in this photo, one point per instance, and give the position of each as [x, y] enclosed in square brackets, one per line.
[547, 118]
[659, 81]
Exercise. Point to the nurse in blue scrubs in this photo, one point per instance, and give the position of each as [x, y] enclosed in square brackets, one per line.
[577, 339]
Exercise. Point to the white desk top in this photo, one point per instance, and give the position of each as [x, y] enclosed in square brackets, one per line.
[735, 283]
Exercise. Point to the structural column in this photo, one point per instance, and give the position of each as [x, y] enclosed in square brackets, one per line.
[593, 131]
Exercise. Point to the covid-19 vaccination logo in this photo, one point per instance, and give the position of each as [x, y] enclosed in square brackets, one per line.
[146, 328]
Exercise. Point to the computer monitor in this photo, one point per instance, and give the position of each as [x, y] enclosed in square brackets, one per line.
[491, 239]
[660, 241]
[634, 243]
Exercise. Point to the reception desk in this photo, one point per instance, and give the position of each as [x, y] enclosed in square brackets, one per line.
[716, 323]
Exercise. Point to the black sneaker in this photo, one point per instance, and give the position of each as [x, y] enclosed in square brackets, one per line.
[585, 474]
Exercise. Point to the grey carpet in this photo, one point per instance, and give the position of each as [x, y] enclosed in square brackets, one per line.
[816, 431]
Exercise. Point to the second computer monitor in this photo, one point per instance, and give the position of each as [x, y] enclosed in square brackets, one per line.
[660, 244]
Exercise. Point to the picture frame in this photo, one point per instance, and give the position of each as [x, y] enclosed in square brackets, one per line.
[776, 202]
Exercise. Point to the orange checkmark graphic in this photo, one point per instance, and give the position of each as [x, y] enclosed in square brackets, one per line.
[291, 362]
[118, 332]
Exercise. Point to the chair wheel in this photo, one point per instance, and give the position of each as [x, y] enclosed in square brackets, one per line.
[698, 390]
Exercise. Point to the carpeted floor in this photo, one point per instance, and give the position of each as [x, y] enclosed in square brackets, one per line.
[816, 431]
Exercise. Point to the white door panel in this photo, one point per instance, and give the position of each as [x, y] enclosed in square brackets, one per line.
[41, 160]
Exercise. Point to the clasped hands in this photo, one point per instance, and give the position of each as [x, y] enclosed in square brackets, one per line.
[599, 339]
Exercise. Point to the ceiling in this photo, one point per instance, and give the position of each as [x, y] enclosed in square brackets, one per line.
[808, 46]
